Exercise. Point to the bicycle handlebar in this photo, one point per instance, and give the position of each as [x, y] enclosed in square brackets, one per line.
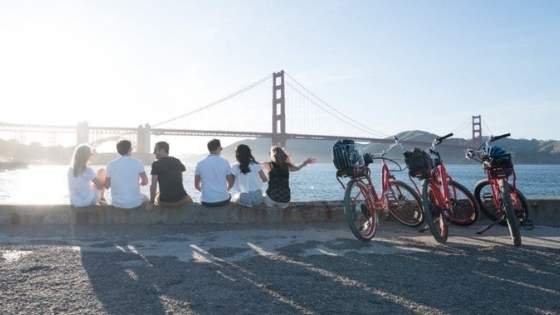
[440, 139]
[494, 138]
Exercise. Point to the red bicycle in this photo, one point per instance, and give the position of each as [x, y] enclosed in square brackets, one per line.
[443, 199]
[362, 203]
[504, 203]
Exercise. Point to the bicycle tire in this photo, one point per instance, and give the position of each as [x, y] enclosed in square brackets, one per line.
[489, 210]
[469, 216]
[407, 214]
[510, 215]
[440, 230]
[350, 214]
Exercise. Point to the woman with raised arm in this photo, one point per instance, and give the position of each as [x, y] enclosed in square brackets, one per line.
[85, 186]
[248, 177]
[278, 194]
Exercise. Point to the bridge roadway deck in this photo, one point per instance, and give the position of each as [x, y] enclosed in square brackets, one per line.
[204, 133]
[275, 269]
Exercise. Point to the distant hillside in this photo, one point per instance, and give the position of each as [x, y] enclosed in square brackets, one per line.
[524, 151]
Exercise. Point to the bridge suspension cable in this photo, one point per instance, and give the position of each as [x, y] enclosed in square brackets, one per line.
[214, 103]
[490, 132]
[326, 107]
[316, 104]
[462, 127]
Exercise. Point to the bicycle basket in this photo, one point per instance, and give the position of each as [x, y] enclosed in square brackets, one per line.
[419, 163]
[346, 156]
[499, 161]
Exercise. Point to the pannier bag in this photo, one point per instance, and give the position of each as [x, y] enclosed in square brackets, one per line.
[346, 156]
[419, 163]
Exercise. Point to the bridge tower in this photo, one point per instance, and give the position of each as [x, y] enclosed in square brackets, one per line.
[82, 132]
[476, 128]
[143, 139]
[278, 109]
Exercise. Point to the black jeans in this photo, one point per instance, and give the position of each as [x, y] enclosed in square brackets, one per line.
[216, 204]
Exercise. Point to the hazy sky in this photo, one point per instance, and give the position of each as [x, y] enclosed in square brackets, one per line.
[393, 65]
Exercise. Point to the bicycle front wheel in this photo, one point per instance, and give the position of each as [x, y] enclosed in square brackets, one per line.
[404, 204]
[433, 214]
[360, 218]
[510, 215]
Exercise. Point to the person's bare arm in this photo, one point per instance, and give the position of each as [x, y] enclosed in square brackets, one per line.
[98, 183]
[100, 179]
[263, 176]
[197, 183]
[265, 166]
[153, 189]
[230, 179]
[143, 179]
[294, 168]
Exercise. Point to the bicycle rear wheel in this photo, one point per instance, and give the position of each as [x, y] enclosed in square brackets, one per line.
[433, 214]
[510, 216]
[484, 197]
[464, 209]
[360, 218]
[404, 204]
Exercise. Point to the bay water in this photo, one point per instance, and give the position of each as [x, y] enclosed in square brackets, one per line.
[47, 184]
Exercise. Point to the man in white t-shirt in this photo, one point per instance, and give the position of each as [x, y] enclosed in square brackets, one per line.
[213, 177]
[124, 177]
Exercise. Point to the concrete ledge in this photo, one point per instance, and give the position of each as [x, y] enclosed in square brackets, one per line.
[544, 212]
[305, 212]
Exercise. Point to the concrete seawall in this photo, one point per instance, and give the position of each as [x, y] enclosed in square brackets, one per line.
[544, 212]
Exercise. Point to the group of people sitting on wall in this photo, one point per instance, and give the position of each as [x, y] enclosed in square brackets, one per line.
[214, 178]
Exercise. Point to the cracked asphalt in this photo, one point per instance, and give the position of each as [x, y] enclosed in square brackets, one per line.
[309, 269]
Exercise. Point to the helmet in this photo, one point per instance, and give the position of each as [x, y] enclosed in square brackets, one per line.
[494, 151]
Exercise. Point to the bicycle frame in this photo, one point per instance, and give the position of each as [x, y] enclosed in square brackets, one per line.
[494, 182]
[439, 179]
[364, 182]
[439, 186]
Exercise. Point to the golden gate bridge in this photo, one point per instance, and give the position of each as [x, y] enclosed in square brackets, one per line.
[278, 135]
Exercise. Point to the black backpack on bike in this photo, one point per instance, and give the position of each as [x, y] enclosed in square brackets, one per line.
[346, 156]
[419, 163]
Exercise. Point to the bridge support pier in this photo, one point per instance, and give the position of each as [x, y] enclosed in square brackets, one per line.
[143, 139]
[82, 133]
[278, 109]
[476, 129]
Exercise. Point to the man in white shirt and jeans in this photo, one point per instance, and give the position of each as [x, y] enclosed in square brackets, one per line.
[213, 177]
[124, 177]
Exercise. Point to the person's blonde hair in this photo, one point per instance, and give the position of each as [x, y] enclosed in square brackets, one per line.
[80, 158]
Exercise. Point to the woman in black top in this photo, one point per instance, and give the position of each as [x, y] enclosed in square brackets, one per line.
[279, 168]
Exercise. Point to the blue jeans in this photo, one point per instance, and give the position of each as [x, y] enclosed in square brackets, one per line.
[250, 199]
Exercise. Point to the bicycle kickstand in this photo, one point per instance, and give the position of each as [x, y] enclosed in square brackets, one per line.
[491, 225]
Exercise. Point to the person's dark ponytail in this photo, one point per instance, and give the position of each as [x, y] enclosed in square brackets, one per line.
[244, 157]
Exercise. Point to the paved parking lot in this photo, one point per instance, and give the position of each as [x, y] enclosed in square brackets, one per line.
[310, 269]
